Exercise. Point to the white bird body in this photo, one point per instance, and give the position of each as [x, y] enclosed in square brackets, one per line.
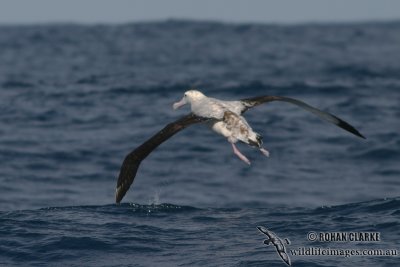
[235, 127]
[209, 107]
[227, 119]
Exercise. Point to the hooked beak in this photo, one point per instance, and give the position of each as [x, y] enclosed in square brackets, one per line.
[179, 104]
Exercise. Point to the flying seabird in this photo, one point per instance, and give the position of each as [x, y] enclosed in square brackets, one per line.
[225, 118]
[277, 242]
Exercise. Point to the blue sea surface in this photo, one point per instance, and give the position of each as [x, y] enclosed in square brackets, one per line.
[75, 100]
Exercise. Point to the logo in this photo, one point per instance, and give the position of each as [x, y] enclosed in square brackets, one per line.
[277, 242]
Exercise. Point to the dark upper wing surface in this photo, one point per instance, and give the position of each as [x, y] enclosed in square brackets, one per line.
[255, 101]
[132, 161]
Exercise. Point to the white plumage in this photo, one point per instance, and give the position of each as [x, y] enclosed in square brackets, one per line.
[228, 121]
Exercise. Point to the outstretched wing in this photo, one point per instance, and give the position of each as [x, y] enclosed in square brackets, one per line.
[285, 257]
[263, 230]
[132, 160]
[255, 101]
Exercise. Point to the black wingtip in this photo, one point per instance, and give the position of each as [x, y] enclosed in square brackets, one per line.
[357, 133]
[344, 125]
[118, 199]
[119, 195]
[121, 190]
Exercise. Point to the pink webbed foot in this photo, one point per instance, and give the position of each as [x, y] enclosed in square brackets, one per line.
[240, 155]
[264, 151]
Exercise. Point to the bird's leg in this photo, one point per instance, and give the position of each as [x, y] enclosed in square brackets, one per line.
[240, 155]
[264, 151]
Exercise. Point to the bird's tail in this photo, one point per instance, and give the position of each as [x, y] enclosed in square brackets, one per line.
[255, 140]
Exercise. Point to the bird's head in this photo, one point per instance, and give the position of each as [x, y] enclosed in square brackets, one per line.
[189, 97]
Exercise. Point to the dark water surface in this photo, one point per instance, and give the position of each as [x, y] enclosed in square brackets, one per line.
[74, 100]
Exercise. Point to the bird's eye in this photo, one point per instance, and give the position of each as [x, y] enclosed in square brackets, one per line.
[185, 95]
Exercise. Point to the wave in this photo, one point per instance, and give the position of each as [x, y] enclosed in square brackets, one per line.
[131, 207]
[378, 205]
[169, 233]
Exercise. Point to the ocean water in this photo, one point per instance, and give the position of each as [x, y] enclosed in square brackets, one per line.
[74, 100]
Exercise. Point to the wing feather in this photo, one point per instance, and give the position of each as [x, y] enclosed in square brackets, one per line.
[255, 101]
[132, 161]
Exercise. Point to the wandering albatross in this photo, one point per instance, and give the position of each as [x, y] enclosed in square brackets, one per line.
[225, 118]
